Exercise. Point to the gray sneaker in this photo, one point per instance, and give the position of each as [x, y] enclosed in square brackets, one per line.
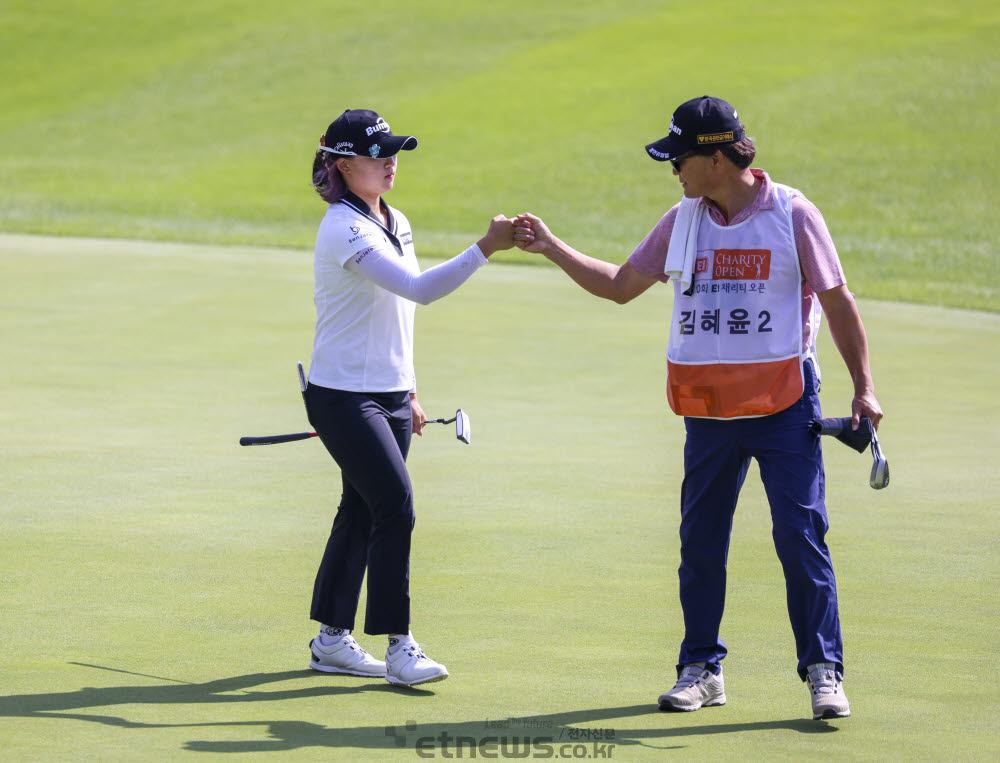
[696, 688]
[826, 688]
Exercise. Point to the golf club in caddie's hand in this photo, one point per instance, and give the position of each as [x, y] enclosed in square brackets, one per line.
[859, 439]
[841, 429]
[880, 466]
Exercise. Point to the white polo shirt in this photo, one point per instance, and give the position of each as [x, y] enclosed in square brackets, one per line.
[364, 333]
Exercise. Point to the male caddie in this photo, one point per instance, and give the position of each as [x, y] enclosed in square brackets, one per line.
[752, 263]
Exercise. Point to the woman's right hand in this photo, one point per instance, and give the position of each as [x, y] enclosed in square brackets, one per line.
[499, 236]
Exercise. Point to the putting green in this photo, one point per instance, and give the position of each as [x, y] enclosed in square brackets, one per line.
[156, 576]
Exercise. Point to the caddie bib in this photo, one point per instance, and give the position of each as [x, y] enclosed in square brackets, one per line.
[735, 348]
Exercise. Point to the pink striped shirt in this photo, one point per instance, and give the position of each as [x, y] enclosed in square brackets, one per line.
[821, 269]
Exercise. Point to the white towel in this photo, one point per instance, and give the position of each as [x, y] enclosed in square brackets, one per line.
[683, 248]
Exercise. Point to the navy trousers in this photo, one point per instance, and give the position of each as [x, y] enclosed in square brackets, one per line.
[717, 455]
[368, 436]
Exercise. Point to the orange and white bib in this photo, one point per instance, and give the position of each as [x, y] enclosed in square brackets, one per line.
[735, 347]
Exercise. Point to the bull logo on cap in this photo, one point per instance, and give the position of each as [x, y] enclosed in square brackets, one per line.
[374, 151]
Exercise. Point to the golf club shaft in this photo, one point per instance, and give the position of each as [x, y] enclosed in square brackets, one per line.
[275, 439]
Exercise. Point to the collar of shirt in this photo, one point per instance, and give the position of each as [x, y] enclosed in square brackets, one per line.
[356, 201]
[764, 200]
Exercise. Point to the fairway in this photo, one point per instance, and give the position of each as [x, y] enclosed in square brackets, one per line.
[198, 121]
[156, 576]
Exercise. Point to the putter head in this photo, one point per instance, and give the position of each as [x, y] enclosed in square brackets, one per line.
[880, 466]
[463, 429]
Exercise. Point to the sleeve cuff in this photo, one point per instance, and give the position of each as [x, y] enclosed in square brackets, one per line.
[477, 253]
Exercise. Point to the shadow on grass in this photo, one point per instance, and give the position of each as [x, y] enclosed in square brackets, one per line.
[513, 737]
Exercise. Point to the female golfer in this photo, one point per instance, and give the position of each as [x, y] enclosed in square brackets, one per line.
[362, 396]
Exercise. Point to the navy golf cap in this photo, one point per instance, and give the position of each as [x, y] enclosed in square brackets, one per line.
[697, 124]
[362, 132]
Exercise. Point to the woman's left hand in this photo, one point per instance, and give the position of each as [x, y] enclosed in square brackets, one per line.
[500, 236]
[419, 417]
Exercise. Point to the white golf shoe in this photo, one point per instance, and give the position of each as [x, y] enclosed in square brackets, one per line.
[407, 665]
[826, 688]
[696, 688]
[344, 655]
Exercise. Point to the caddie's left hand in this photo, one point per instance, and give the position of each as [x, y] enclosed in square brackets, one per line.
[849, 335]
[419, 417]
[865, 404]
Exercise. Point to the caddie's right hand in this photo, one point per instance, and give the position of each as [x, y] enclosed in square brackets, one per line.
[531, 234]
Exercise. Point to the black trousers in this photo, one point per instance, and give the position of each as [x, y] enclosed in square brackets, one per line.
[368, 435]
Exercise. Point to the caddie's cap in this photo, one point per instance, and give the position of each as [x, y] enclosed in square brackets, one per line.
[362, 132]
[697, 124]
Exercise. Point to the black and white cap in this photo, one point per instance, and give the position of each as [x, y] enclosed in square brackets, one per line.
[698, 124]
[362, 132]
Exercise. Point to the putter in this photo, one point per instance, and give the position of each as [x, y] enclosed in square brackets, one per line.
[463, 428]
[275, 439]
[302, 380]
[859, 440]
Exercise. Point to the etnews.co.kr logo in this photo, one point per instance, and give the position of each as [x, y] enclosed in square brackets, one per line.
[436, 741]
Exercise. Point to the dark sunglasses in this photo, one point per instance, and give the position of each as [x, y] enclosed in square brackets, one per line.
[676, 163]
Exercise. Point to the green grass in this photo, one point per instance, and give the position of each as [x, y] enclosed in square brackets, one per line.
[156, 576]
[198, 121]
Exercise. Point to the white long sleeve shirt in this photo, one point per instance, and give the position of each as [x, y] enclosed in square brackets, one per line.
[368, 282]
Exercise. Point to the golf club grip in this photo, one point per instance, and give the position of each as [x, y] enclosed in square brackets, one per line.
[274, 439]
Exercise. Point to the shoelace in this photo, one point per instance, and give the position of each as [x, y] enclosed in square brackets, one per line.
[823, 681]
[352, 644]
[689, 676]
[415, 651]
